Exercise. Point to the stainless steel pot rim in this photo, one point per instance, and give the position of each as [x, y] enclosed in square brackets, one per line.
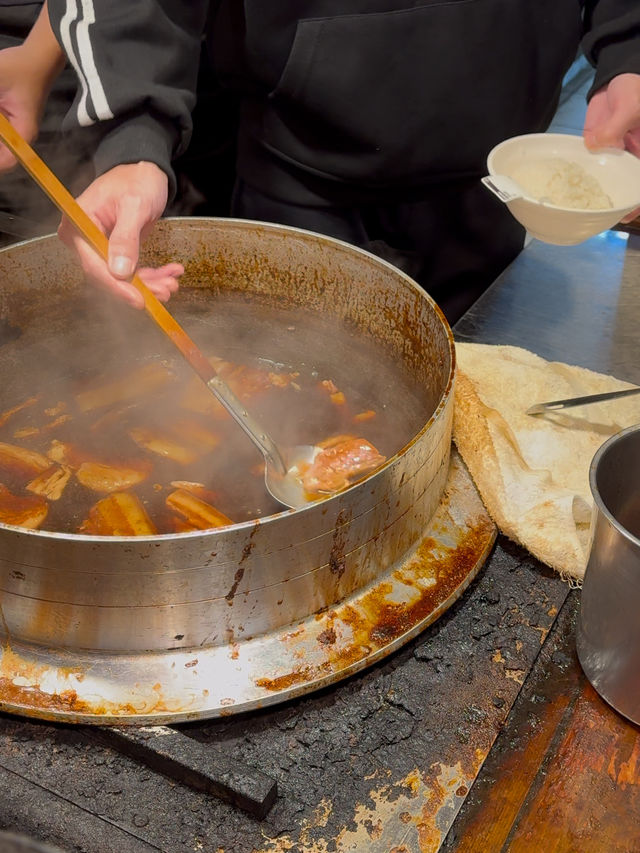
[241, 525]
[595, 492]
[197, 534]
[183, 570]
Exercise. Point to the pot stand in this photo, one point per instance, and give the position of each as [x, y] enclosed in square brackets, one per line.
[207, 682]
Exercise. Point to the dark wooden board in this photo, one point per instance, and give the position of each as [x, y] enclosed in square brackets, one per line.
[564, 775]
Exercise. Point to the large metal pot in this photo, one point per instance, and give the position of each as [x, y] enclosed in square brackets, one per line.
[125, 597]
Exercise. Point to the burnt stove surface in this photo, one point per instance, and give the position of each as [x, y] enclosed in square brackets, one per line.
[381, 761]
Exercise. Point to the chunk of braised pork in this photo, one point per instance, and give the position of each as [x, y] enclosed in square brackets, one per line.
[342, 460]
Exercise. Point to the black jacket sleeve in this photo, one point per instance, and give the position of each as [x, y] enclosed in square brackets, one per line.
[612, 40]
[137, 66]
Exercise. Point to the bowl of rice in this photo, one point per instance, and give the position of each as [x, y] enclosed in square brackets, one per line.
[569, 193]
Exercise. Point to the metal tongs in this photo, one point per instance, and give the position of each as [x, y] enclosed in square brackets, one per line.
[556, 405]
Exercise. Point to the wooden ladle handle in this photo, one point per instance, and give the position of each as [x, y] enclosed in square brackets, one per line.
[63, 199]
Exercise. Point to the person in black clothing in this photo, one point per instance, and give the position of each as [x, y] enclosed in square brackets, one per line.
[367, 120]
[29, 77]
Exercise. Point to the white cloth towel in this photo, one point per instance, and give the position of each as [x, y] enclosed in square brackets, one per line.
[533, 472]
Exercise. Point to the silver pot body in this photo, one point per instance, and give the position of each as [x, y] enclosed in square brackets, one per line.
[608, 636]
[146, 594]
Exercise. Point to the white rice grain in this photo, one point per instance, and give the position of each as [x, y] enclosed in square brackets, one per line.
[562, 183]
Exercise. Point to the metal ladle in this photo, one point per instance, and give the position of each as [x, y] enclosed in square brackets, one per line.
[281, 469]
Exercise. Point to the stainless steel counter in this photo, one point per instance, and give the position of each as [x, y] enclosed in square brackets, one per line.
[578, 304]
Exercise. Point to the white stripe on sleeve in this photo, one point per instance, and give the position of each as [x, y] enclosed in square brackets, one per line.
[100, 105]
[83, 62]
[65, 34]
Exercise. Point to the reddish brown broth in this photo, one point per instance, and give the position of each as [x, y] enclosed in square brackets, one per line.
[118, 421]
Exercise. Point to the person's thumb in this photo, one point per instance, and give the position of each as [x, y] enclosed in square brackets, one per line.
[124, 244]
[610, 133]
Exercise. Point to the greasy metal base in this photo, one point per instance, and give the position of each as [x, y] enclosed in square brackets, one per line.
[216, 681]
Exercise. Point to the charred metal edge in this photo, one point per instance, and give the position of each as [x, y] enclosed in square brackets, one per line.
[185, 760]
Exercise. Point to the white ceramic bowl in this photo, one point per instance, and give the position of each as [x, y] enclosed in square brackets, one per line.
[617, 172]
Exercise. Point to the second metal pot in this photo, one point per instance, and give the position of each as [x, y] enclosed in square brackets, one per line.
[608, 636]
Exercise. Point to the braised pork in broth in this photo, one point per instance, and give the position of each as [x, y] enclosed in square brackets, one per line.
[151, 450]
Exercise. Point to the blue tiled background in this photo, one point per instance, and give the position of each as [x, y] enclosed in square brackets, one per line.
[569, 117]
